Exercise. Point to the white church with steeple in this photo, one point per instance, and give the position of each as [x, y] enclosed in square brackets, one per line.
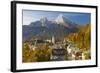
[53, 40]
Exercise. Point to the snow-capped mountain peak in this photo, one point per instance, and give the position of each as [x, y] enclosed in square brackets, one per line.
[64, 21]
[60, 19]
[43, 20]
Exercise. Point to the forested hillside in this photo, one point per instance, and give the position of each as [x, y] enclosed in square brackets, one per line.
[82, 38]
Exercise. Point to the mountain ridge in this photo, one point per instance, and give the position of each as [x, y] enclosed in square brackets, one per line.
[60, 28]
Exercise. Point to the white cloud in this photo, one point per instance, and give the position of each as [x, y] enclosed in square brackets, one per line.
[27, 20]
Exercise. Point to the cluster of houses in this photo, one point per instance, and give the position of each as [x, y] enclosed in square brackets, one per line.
[72, 51]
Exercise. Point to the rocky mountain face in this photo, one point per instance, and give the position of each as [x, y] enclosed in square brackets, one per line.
[45, 29]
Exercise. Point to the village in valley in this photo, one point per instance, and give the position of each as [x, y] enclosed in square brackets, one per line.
[55, 37]
[59, 50]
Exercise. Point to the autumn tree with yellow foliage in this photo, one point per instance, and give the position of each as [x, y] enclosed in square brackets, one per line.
[82, 38]
[40, 54]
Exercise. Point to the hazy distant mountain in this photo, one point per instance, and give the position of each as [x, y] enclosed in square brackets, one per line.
[44, 28]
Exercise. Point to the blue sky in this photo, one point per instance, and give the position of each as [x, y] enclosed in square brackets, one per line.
[33, 15]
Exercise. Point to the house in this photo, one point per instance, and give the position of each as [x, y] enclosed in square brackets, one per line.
[72, 48]
[32, 47]
[74, 53]
[58, 54]
[52, 40]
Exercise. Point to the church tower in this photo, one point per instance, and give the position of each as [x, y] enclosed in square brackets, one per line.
[53, 39]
